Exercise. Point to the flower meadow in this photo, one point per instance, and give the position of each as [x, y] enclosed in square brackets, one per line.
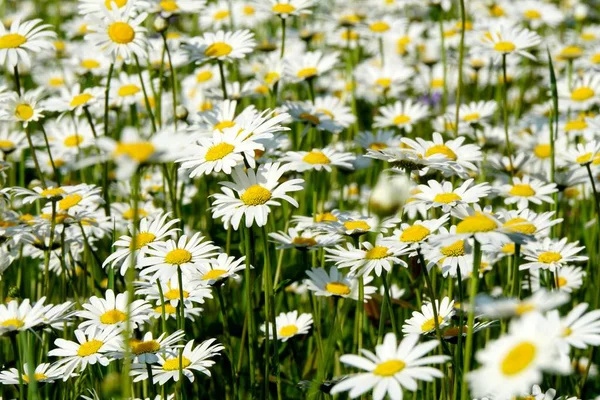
[299, 199]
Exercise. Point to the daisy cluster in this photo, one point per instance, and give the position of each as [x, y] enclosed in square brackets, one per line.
[298, 199]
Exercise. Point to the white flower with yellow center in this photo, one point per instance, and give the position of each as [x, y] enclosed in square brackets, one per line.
[22, 109]
[381, 27]
[540, 301]
[287, 8]
[391, 369]
[583, 154]
[334, 283]
[15, 317]
[579, 330]
[120, 34]
[112, 312]
[524, 190]
[185, 254]
[168, 8]
[375, 81]
[78, 201]
[11, 141]
[511, 364]
[71, 135]
[401, 115]
[288, 325]
[94, 347]
[217, 15]
[567, 279]
[423, 322]
[193, 292]
[74, 98]
[379, 140]
[96, 64]
[220, 268]
[220, 46]
[528, 222]
[22, 38]
[43, 373]
[418, 232]
[252, 193]
[98, 8]
[336, 109]
[537, 13]
[582, 93]
[311, 117]
[304, 239]
[318, 159]
[551, 254]
[506, 40]
[349, 223]
[145, 350]
[126, 90]
[444, 196]
[475, 112]
[309, 65]
[192, 359]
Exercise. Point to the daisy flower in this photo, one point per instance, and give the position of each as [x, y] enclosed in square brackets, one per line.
[98, 7]
[583, 154]
[506, 40]
[289, 325]
[21, 317]
[22, 38]
[579, 329]
[192, 359]
[551, 254]
[112, 311]
[309, 115]
[44, 373]
[309, 65]
[94, 347]
[540, 301]
[568, 279]
[392, 368]
[171, 312]
[185, 253]
[23, 108]
[303, 239]
[251, 194]
[318, 159]
[287, 8]
[193, 292]
[145, 350]
[423, 322]
[220, 46]
[75, 99]
[11, 141]
[381, 139]
[168, 8]
[582, 93]
[220, 268]
[418, 232]
[528, 222]
[335, 283]
[446, 197]
[401, 115]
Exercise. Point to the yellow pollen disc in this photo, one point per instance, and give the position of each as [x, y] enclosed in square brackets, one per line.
[214, 274]
[595, 58]
[178, 257]
[271, 77]
[89, 348]
[288, 330]
[129, 213]
[549, 257]
[379, 27]
[119, 3]
[218, 49]
[377, 253]
[524, 308]
[505, 47]
[256, 195]
[313, 119]
[80, 99]
[532, 14]
[446, 198]
[249, 10]
[6, 145]
[585, 158]
[112, 317]
[571, 52]
[389, 368]
[456, 249]
[204, 76]
[137, 151]
[89, 63]
[13, 322]
[522, 190]
[24, 112]
[73, 140]
[496, 11]
[139, 347]
[219, 151]
[356, 225]
[572, 192]
[169, 5]
[476, 223]
[429, 325]
[37, 376]
[582, 94]
[283, 8]
[338, 288]
[129, 90]
[518, 358]
[350, 35]
[384, 82]
[454, 331]
[52, 192]
[142, 239]
[378, 146]
[441, 149]
[471, 117]
[437, 83]
[12, 41]
[169, 309]
[173, 364]
[224, 125]
[520, 225]
[306, 73]
[326, 217]
[542, 151]
[69, 201]
[575, 125]
[316, 157]
[221, 14]
[401, 119]
[509, 248]
[121, 32]
[414, 234]
[304, 241]
[174, 294]
[561, 282]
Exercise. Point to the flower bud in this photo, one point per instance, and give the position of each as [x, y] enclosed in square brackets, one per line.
[390, 194]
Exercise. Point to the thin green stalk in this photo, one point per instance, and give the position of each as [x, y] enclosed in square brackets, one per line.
[282, 38]
[461, 57]
[516, 284]
[223, 83]
[18, 362]
[54, 170]
[223, 307]
[250, 308]
[35, 159]
[162, 306]
[444, 61]
[146, 99]
[505, 115]
[173, 79]
[182, 327]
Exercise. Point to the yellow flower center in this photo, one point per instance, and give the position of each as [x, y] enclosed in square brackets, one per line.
[496, 11]
[121, 32]
[401, 119]
[137, 151]
[12, 41]
[129, 213]
[378, 146]
[69, 201]
[522, 190]
[37, 376]
[384, 82]
[256, 195]
[326, 217]
[214, 274]
[174, 294]
[532, 14]
[89, 348]
[414, 233]
[561, 282]
[446, 198]
[377, 253]
[505, 47]
[218, 49]
[575, 125]
[141, 240]
[52, 192]
[356, 225]
[549, 257]
[379, 27]
[304, 241]
[313, 119]
[389, 368]
[283, 8]
[316, 157]
[119, 3]
[595, 58]
[429, 325]
[456, 249]
[476, 223]
[112, 317]
[524, 308]
[306, 73]
[13, 323]
[437, 83]
[139, 347]
[169, 5]
[178, 257]
[6, 145]
[219, 151]
[204, 76]
[173, 364]
[571, 52]
[338, 288]
[471, 117]
[129, 90]
[80, 99]
[73, 140]
[249, 10]
[520, 225]
[441, 149]
[89, 63]
[169, 309]
[288, 330]
[271, 77]
[582, 94]
[24, 112]
[585, 158]
[224, 125]
[542, 150]
[518, 358]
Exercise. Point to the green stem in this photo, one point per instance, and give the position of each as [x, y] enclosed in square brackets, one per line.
[461, 56]
[223, 83]
[182, 327]
[228, 338]
[173, 79]
[18, 363]
[250, 308]
[505, 115]
[146, 99]
[282, 38]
